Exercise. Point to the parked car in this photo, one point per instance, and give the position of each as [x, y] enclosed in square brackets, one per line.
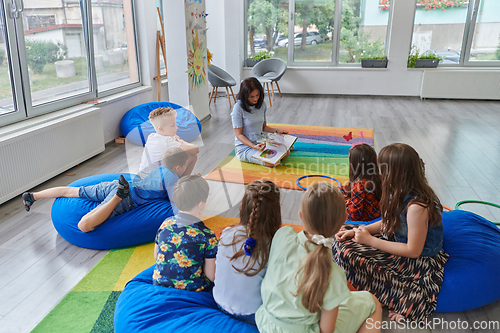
[312, 38]
[449, 56]
[260, 41]
[280, 38]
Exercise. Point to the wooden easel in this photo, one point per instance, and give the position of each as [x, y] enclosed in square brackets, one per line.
[160, 44]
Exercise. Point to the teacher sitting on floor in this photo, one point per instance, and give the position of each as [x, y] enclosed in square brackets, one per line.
[249, 121]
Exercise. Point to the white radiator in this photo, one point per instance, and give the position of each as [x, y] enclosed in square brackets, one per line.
[461, 84]
[30, 156]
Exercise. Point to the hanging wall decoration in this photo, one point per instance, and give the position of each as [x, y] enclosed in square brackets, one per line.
[196, 61]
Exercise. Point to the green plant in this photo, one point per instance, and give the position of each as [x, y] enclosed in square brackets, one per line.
[262, 55]
[39, 53]
[415, 54]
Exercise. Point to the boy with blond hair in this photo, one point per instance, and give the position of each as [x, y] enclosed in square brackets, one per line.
[164, 121]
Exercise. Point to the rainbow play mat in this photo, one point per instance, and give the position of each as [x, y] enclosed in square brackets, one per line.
[318, 151]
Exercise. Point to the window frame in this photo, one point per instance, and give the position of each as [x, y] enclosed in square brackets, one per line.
[468, 37]
[335, 38]
[139, 76]
[13, 61]
[62, 103]
[20, 85]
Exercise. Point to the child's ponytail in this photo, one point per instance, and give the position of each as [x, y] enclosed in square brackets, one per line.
[323, 213]
[260, 213]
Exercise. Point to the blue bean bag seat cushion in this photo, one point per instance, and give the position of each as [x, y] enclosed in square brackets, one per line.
[471, 274]
[144, 307]
[136, 226]
[136, 126]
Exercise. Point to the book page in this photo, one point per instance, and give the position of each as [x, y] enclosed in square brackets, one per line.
[272, 154]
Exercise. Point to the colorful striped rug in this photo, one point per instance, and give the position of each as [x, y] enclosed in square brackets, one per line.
[318, 151]
[89, 307]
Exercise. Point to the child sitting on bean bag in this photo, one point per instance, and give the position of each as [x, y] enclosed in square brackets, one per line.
[118, 197]
[185, 248]
[164, 121]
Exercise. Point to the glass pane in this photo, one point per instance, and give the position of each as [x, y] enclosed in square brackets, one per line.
[55, 49]
[114, 44]
[486, 40]
[313, 30]
[267, 20]
[439, 28]
[364, 29]
[6, 99]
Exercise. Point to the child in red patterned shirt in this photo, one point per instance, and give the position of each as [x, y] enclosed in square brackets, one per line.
[362, 194]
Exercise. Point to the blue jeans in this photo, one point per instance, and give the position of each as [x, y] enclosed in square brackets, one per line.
[103, 192]
[249, 319]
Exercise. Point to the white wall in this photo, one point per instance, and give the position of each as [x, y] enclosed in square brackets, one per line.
[225, 36]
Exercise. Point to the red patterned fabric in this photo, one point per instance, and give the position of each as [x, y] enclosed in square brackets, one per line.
[362, 204]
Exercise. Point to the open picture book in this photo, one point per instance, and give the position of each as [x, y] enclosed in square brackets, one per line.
[277, 145]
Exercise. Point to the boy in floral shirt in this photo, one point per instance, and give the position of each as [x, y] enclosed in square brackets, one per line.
[185, 248]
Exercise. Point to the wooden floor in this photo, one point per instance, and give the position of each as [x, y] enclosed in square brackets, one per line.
[458, 140]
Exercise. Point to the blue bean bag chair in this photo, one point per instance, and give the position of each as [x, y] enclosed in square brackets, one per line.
[136, 126]
[143, 307]
[472, 272]
[134, 227]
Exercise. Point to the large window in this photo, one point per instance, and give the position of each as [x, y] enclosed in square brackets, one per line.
[461, 32]
[485, 44]
[267, 28]
[324, 32]
[58, 53]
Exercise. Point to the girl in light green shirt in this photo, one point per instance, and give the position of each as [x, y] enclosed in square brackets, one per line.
[304, 290]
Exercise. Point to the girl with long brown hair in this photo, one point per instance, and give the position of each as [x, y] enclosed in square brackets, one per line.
[362, 194]
[244, 251]
[403, 266]
[304, 290]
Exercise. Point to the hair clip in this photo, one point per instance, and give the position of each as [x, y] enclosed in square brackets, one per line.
[356, 144]
[249, 246]
[321, 240]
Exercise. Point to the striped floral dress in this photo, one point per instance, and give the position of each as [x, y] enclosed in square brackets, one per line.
[408, 286]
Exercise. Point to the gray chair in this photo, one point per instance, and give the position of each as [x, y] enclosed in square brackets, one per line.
[220, 78]
[270, 70]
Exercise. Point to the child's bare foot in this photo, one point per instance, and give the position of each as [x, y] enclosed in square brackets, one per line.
[123, 188]
[28, 200]
[394, 316]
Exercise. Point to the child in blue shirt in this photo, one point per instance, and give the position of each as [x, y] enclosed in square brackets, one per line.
[185, 248]
[118, 196]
